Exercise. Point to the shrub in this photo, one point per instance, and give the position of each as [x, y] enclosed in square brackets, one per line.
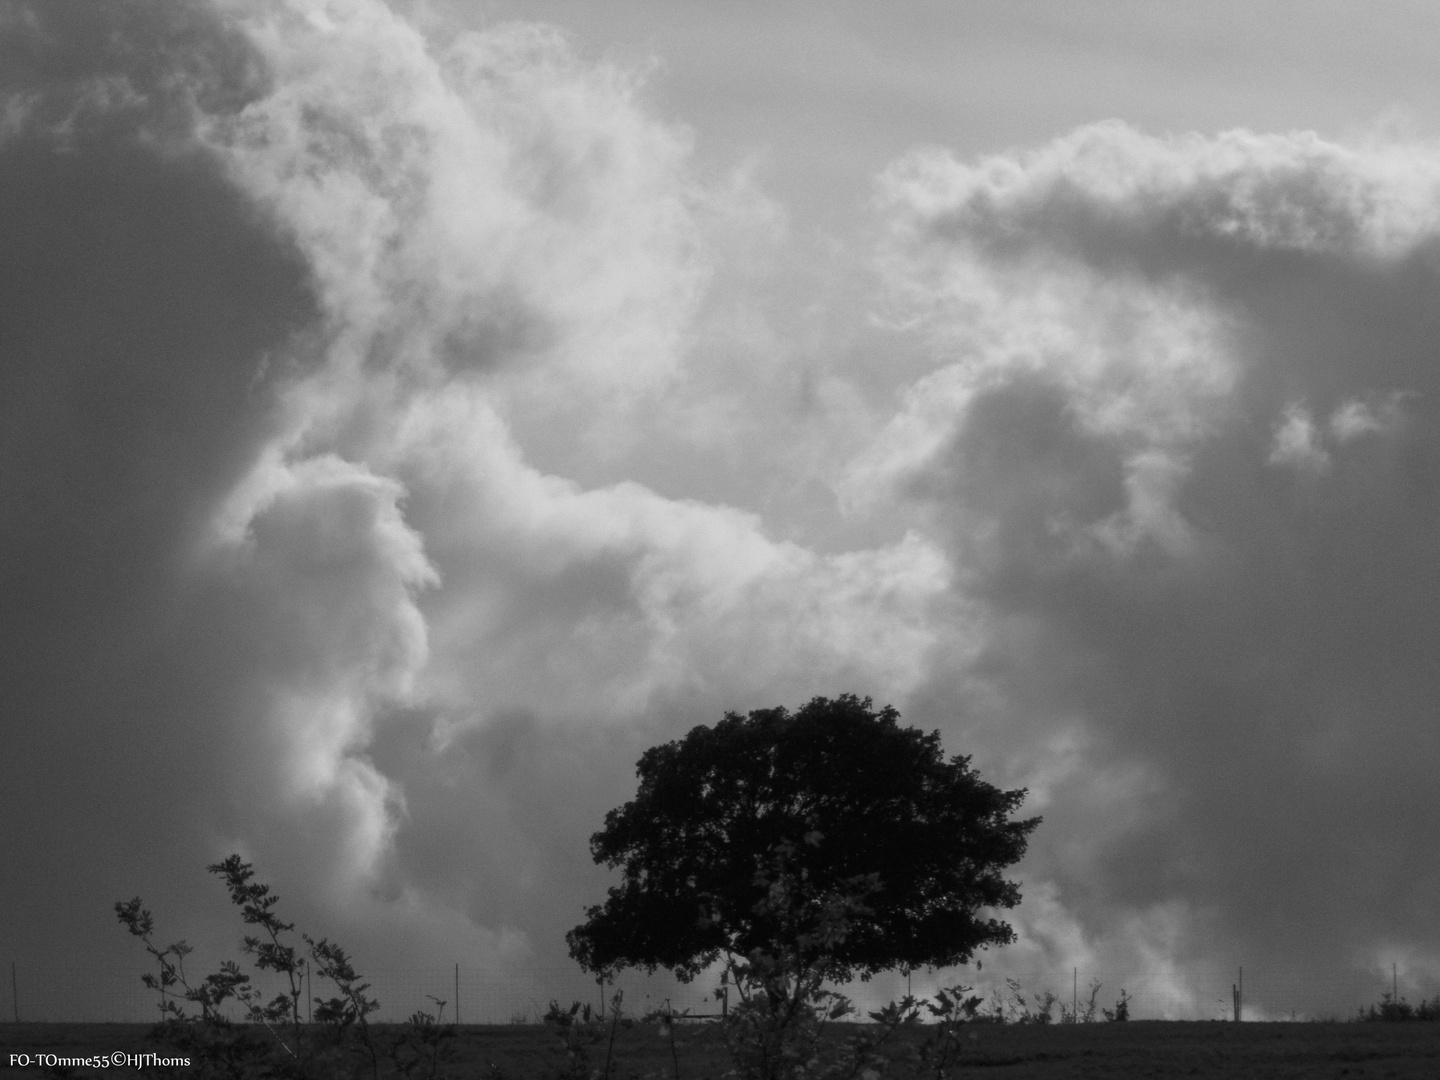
[1078, 1014]
[1396, 1009]
[419, 1046]
[577, 1030]
[220, 1048]
[1122, 1008]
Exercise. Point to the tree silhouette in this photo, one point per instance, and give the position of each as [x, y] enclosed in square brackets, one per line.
[832, 838]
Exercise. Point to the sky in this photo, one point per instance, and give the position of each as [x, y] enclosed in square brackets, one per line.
[412, 412]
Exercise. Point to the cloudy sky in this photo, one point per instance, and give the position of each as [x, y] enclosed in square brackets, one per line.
[411, 413]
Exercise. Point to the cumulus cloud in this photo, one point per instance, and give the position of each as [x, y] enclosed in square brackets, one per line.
[1154, 436]
[501, 231]
[374, 644]
[405, 434]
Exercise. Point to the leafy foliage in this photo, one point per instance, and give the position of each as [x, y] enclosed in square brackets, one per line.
[1082, 1014]
[256, 903]
[865, 815]
[1398, 1010]
[774, 1030]
[423, 1043]
[577, 1030]
[209, 994]
[1122, 1008]
[221, 1048]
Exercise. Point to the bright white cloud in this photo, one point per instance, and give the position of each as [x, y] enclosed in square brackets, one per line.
[498, 233]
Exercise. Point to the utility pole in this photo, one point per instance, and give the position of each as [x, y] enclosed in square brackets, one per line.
[14, 992]
[457, 993]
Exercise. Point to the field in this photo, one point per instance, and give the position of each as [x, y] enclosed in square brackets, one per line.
[1255, 1051]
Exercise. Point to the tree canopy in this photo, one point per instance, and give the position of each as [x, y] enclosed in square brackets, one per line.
[830, 830]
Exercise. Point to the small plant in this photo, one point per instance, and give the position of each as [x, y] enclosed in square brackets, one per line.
[665, 1018]
[422, 1042]
[1395, 1009]
[869, 1051]
[950, 1010]
[1013, 1007]
[352, 1006]
[774, 1030]
[577, 1013]
[1088, 1016]
[615, 1020]
[1122, 1007]
[256, 903]
[577, 1030]
[207, 1034]
[1078, 1014]
[1044, 1003]
[209, 995]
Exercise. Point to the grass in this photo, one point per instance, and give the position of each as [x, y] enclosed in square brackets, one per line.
[1003, 1052]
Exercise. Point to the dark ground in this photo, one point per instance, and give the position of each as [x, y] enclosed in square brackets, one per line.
[1017, 1052]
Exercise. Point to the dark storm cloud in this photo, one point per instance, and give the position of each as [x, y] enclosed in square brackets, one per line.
[140, 299]
[281, 286]
[296, 299]
[1190, 459]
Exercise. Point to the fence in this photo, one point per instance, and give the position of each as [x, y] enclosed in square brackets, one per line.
[73, 994]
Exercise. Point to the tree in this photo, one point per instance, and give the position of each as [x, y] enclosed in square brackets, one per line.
[831, 841]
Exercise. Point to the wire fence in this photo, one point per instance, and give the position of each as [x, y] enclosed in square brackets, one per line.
[91, 995]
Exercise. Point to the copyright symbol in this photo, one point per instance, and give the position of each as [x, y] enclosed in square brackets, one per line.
[118, 1057]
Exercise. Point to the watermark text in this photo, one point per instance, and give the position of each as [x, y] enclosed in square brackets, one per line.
[119, 1059]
